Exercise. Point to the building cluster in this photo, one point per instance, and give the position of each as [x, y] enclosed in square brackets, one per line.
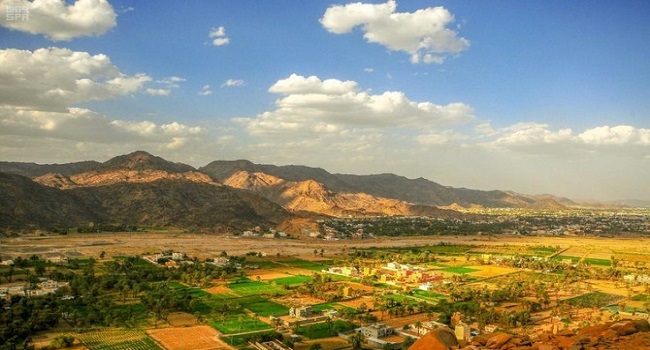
[168, 258]
[637, 278]
[44, 287]
[258, 232]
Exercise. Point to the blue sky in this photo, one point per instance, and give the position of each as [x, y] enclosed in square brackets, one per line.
[531, 96]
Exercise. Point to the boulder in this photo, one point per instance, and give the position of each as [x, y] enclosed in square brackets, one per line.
[498, 340]
[437, 339]
[641, 325]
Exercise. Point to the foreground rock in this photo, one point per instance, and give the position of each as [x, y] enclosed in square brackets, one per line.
[623, 335]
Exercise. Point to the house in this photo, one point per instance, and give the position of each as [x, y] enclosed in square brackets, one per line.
[58, 259]
[270, 345]
[300, 312]
[377, 330]
[7, 263]
[426, 286]
[462, 331]
[268, 235]
[178, 256]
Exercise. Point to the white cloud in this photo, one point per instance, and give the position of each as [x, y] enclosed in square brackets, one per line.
[83, 125]
[171, 82]
[438, 138]
[539, 138]
[423, 34]
[233, 83]
[368, 70]
[315, 105]
[617, 135]
[205, 90]
[53, 78]
[58, 19]
[218, 36]
[158, 92]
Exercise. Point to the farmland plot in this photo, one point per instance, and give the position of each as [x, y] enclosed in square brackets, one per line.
[117, 340]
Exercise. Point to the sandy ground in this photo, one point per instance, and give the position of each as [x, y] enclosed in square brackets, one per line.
[208, 246]
[189, 338]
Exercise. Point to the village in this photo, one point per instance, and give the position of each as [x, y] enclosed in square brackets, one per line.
[376, 298]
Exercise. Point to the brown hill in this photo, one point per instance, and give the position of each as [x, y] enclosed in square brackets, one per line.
[135, 189]
[312, 196]
[418, 191]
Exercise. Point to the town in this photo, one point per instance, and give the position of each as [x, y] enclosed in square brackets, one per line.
[369, 297]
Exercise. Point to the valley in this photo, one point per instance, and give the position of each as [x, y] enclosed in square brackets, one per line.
[229, 289]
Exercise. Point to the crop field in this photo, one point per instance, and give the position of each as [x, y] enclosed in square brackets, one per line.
[459, 269]
[238, 323]
[117, 340]
[308, 265]
[331, 306]
[292, 280]
[188, 338]
[598, 262]
[263, 307]
[246, 288]
[595, 299]
[429, 296]
[325, 329]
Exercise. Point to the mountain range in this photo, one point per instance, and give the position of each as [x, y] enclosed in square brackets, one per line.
[142, 189]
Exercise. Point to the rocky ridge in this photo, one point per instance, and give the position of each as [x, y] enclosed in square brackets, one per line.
[621, 335]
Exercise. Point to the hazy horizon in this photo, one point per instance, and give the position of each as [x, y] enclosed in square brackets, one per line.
[534, 97]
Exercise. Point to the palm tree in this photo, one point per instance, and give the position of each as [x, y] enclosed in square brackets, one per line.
[418, 325]
[357, 340]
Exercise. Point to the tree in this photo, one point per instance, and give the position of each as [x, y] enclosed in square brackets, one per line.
[316, 346]
[418, 325]
[408, 342]
[357, 340]
[102, 255]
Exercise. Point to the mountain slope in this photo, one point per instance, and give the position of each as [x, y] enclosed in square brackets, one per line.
[312, 196]
[418, 191]
[34, 170]
[138, 189]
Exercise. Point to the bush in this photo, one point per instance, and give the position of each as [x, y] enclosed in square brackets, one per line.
[62, 341]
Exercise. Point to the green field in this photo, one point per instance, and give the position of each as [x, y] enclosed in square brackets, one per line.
[238, 323]
[429, 296]
[325, 329]
[541, 250]
[574, 259]
[330, 306]
[595, 299]
[459, 269]
[308, 265]
[255, 288]
[598, 262]
[292, 280]
[263, 307]
[117, 340]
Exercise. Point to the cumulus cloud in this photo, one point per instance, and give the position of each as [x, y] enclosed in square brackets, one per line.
[218, 36]
[332, 105]
[83, 125]
[53, 78]
[158, 92]
[424, 34]
[171, 82]
[540, 138]
[205, 90]
[439, 138]
[58, 20]
[233, 83]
